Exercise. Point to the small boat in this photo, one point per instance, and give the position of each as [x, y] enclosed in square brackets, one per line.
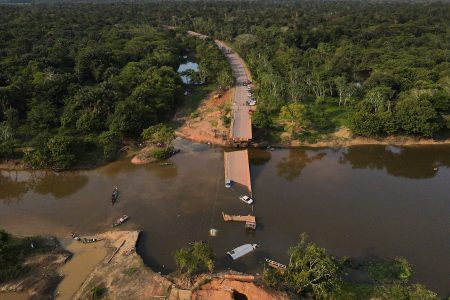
[275, 264]
[115, 195]
[246, 199]
[242, 250]
[90, 240]
[120, 220]
[75, 236]
[165, 164]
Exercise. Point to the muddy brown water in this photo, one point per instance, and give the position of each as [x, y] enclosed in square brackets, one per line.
[364, 202]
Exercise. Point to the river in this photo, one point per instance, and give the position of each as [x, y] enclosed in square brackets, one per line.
[364, 202]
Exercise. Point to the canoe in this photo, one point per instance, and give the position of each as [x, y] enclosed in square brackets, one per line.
[120, 220]
[115, 195]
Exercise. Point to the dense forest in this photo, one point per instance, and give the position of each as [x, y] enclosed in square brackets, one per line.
[379, 68]
[78, 79]
[75, 81]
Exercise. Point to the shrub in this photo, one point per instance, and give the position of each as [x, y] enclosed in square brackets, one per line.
[395, 270]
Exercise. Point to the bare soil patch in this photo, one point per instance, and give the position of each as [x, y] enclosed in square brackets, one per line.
[206, 124]
[225, 289]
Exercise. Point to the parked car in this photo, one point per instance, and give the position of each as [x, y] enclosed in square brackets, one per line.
[246, 199]
[228, 183]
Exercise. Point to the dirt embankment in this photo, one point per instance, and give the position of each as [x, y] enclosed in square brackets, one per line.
[42, 276]
[344, 138]
[207, 125]
[225, 289]
[111, 269]
[144, 156]
[121, 274]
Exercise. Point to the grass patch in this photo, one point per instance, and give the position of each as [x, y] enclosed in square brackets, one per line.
[338, 115]
[352, 291]
[130, 271]
[14, 251]
[196, 95]
[389, 271]
[98, 292]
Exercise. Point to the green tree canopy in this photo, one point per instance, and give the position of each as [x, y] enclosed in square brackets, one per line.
[194, 259]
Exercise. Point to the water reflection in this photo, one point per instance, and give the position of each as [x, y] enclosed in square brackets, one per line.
[12, 188]
[407, 162]
[291, 166]
[59, 185]
[163, 171]
[189, 72]
[259, 157]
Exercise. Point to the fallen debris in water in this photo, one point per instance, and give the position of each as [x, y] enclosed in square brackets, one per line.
[242, 250]
[250, 221]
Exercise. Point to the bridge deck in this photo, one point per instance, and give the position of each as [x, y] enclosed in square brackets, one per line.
[238, 218]
[237, 168]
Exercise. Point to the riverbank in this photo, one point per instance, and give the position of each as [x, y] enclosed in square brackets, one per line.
[39, 275]
[121, 274]
[343, 138]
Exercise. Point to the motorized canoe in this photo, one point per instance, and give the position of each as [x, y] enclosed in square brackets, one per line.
[115, 195]
[120, 220]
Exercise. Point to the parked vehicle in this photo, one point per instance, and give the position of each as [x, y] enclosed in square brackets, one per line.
[246, 199]
[228, 183]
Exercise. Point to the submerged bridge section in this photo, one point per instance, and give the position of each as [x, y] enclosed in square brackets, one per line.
[237, 168]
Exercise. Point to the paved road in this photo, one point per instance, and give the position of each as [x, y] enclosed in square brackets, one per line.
[241, 125]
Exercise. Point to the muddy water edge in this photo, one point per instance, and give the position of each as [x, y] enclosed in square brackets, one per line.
[365, 202]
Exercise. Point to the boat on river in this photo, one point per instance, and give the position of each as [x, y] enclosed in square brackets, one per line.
[242, 250]
[120, 220]
[275, 264]
[115, 195]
